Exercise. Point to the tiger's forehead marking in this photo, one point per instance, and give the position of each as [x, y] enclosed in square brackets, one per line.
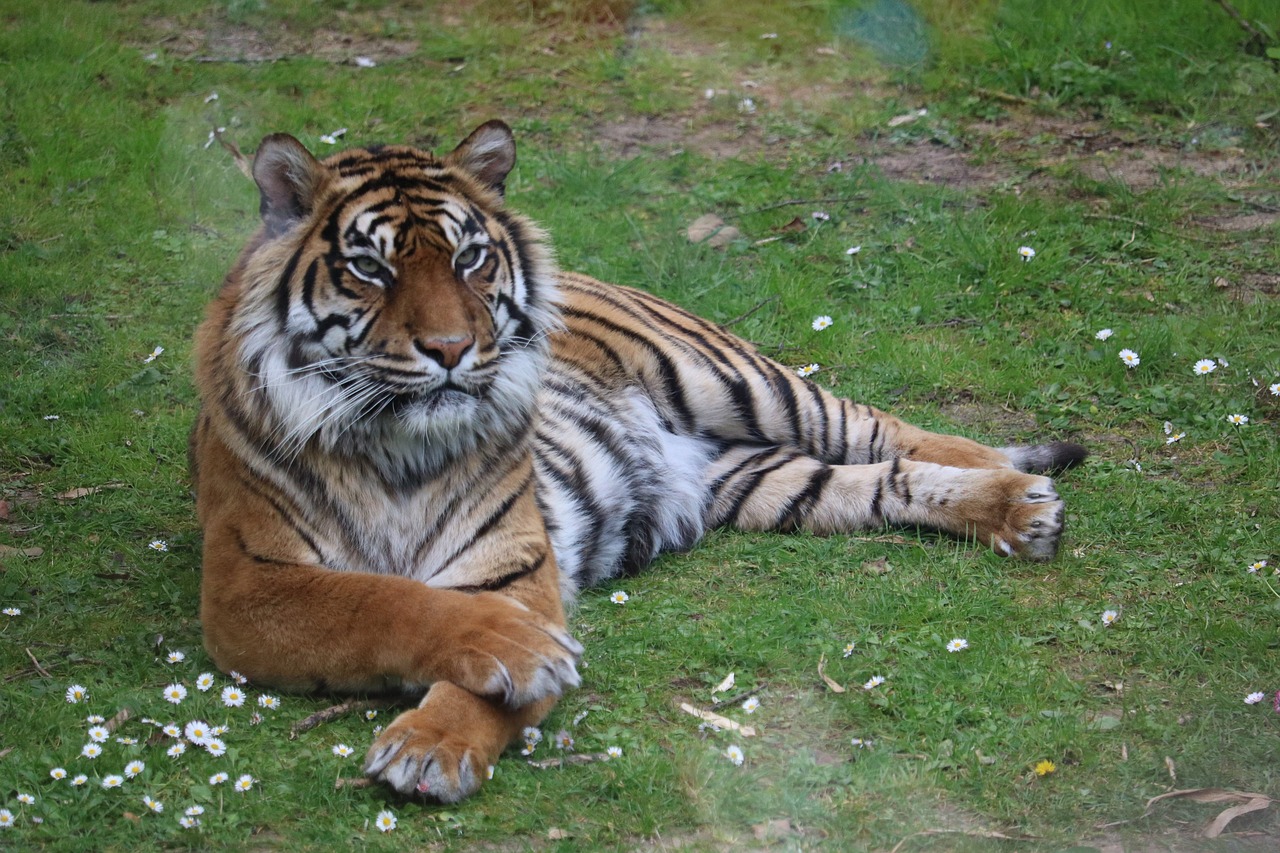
[395, 211]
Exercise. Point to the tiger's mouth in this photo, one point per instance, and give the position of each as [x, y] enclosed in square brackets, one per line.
[450, 395]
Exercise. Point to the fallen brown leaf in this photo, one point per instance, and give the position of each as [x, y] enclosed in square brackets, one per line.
[557, 834]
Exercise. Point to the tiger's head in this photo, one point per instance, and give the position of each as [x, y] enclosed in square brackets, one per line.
[390, 304]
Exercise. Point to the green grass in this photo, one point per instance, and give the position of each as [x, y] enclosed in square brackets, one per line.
[1129, 170]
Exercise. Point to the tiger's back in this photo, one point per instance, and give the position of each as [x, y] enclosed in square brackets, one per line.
[418, 439]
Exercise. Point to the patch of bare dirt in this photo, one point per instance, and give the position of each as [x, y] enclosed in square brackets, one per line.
[1030, 145]
[989, 418]
[1240, 221]
[930, 163]
[629, 137]
[1250, 288]
[1142, 168]
[221, 41]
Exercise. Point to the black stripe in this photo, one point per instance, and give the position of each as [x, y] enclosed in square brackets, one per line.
[286, 516]
[794, 512]
[489, 523]
[505, 580]
[674, 391]
[284, 295]
[753, 481]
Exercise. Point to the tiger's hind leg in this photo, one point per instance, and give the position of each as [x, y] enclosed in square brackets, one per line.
[777, 488]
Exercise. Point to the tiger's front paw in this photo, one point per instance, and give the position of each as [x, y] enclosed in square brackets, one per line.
[506, 652]
[416, 754]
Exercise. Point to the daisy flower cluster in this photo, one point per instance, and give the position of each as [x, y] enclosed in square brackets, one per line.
[157, 749]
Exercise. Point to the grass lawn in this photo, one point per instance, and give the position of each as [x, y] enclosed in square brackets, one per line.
[884, 163]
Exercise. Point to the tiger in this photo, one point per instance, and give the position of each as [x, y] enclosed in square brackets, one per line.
[418, 439]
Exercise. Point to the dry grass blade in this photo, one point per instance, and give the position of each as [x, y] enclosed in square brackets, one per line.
[830, 682]
[968, 833]
[242, 162]
[1245, 803]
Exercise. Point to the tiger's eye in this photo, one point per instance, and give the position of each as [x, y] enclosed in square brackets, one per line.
[367, 266]
[467, 257]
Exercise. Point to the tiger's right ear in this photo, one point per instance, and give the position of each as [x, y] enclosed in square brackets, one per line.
[288, 178]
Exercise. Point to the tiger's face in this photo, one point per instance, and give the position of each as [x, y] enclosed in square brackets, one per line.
[412, 306]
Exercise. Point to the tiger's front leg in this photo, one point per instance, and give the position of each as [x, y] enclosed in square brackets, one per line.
[444, 748]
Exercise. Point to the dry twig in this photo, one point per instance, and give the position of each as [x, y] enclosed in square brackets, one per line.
[575, 758]
[332, 713]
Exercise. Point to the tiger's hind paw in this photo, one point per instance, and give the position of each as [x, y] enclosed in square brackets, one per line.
[1032, 522]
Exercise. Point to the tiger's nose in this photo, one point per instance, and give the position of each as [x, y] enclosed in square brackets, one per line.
[446, 352]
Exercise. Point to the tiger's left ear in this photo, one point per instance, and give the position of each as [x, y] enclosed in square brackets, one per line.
[489, 153]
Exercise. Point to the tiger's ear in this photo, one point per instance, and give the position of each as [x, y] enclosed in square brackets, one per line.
[288, 178]
[488, 153]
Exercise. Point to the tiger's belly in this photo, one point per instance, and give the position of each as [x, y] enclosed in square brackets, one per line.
[615, 485]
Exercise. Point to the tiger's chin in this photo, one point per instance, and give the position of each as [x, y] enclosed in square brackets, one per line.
[447, 411]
